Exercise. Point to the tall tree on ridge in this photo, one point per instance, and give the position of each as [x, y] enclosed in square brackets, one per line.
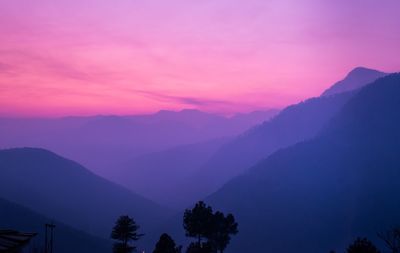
[196, 221]
[125, 230]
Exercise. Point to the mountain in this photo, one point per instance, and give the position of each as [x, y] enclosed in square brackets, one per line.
[102, 143]
[293, 124]
[357, 78]
[318, 195]
[67, 239]
[160, 176]
[64, 190]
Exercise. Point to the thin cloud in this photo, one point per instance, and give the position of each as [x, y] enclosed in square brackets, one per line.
[48, 64]
[182, 99]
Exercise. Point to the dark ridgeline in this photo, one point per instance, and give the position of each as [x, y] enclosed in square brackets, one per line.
[65, 191]
[318, 194]
[103, 142]
[313, 196]
[293, 124]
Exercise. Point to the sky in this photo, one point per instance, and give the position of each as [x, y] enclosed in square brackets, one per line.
[86, 57]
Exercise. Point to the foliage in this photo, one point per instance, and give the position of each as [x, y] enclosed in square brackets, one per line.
[391, 238]
[204, 247]
[221, 230]
[196, 221]
[362, 245]
[166, 245]
[125, 230]
[200, 222]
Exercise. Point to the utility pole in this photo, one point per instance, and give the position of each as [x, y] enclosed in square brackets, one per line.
[48, 244]
[45, 238]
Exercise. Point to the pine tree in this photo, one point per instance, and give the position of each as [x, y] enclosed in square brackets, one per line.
[197, 221]
[166, 245]
[125, 230]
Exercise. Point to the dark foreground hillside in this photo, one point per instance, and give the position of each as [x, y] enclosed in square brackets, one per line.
[295, 123]
[67, 239]
[64, 190]
[319, 195]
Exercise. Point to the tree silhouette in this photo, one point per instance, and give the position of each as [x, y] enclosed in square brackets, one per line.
[195, 247]
[362, 245]
[221, 230]
[166, 245]
[125, 230]
[196, 221]
[391, 238]
[200, 222]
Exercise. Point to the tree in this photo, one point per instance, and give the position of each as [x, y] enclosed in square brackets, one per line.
[196, 221]
[200, 222]
[125, 230]
[166, 245]
[391, 238]
[221, 230]
[362, 245]
[195, 247]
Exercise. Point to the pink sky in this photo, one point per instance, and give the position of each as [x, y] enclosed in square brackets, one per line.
[81, 57]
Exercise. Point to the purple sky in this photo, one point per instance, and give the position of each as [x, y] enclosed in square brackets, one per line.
[98, 56]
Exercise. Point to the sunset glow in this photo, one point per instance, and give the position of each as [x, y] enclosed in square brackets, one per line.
[86, 57]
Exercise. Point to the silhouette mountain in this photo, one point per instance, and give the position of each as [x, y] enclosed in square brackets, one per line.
[320, 194]
[102, 143]
[67, 239]
[64, 190]
[294, 124]
[160, 176]
[356, 79]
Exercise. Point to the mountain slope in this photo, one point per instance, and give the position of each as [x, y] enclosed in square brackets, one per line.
[294, 124]
[318, 195]
[159, 176]
[100, 143]
[357, 78]
[64, 190]
[67, 239]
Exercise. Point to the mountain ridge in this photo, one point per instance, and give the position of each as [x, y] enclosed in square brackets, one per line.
[62, 189]
[344, 179]
[355, 79]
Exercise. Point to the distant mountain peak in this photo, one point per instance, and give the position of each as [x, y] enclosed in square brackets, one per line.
[356, 78]
[361, 69]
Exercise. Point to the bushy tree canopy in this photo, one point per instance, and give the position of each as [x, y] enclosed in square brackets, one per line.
[200, 222]
[362, 245]
[166, 245]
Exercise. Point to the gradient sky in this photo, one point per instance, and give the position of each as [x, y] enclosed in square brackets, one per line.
[80, 57]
